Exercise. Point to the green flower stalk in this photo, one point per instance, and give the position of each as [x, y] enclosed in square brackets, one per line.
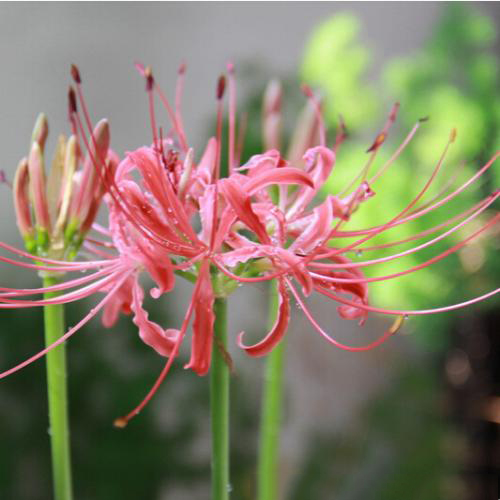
[53, 215]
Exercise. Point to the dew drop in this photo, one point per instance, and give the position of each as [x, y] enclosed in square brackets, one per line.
[359, 253]
[405, 317]
[229, 488]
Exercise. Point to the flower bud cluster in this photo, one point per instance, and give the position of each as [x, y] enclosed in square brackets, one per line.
[55, 211]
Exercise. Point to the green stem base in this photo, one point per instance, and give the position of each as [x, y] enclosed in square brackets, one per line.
[57, 397]
[268, 466]
[219, 406]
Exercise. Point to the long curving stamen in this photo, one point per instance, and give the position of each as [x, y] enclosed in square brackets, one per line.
[428, 262]
[403, 212]
[421, 234]
[62, 264]
[123, 421]
[17, 292]
[180, 134]
[407, 312]
[71, 331]
[122, 203]
[110, 183]
[418, 247]
[101, 229]
[96, 250]
[388, 333]
[397, 153]
[86, 291]
[75, 73]
[397, 220]
[221, 85]
[373, 149]
[442, 192]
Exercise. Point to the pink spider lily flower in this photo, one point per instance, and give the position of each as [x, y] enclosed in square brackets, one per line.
[294, 240]
[171, 215]
[155, 197]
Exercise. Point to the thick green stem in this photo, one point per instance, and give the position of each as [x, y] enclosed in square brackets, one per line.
[219, 405]
[268, 466]
[58, 398]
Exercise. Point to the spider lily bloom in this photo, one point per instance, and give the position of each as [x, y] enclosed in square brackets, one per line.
[293, 241]
[155, 197]
[171, 215]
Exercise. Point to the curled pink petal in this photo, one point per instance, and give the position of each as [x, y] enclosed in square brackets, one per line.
[241, 204]
[285, 175]
[162, 341]
[272, 339]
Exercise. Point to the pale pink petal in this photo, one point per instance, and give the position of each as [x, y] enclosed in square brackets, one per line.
[319, 165]
[207, 213]
[120, 301]
[285, 175]
[317, 231]
[159, 267]
[240, 202]
[261, 162]
[162, 341]
[203, 325]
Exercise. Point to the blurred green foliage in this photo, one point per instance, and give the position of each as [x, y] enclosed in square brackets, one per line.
[454, 80]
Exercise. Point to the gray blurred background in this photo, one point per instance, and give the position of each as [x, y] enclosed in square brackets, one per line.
[39, 41]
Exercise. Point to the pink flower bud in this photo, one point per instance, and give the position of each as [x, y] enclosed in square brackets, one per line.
[271, 116]
[69, 168]
[303, 136]
[37, 187]
[40, 131]
[95, 161]
[21, 199]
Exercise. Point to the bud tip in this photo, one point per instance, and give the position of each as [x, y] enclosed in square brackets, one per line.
[221, 86]
[75, 74]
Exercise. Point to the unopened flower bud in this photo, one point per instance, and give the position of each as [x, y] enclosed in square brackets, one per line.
[303, 135]
[40, 131]
[55, 177]
[271, 115]
[37, 187]
[95, 161]
[21, 201]
[69, 169]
